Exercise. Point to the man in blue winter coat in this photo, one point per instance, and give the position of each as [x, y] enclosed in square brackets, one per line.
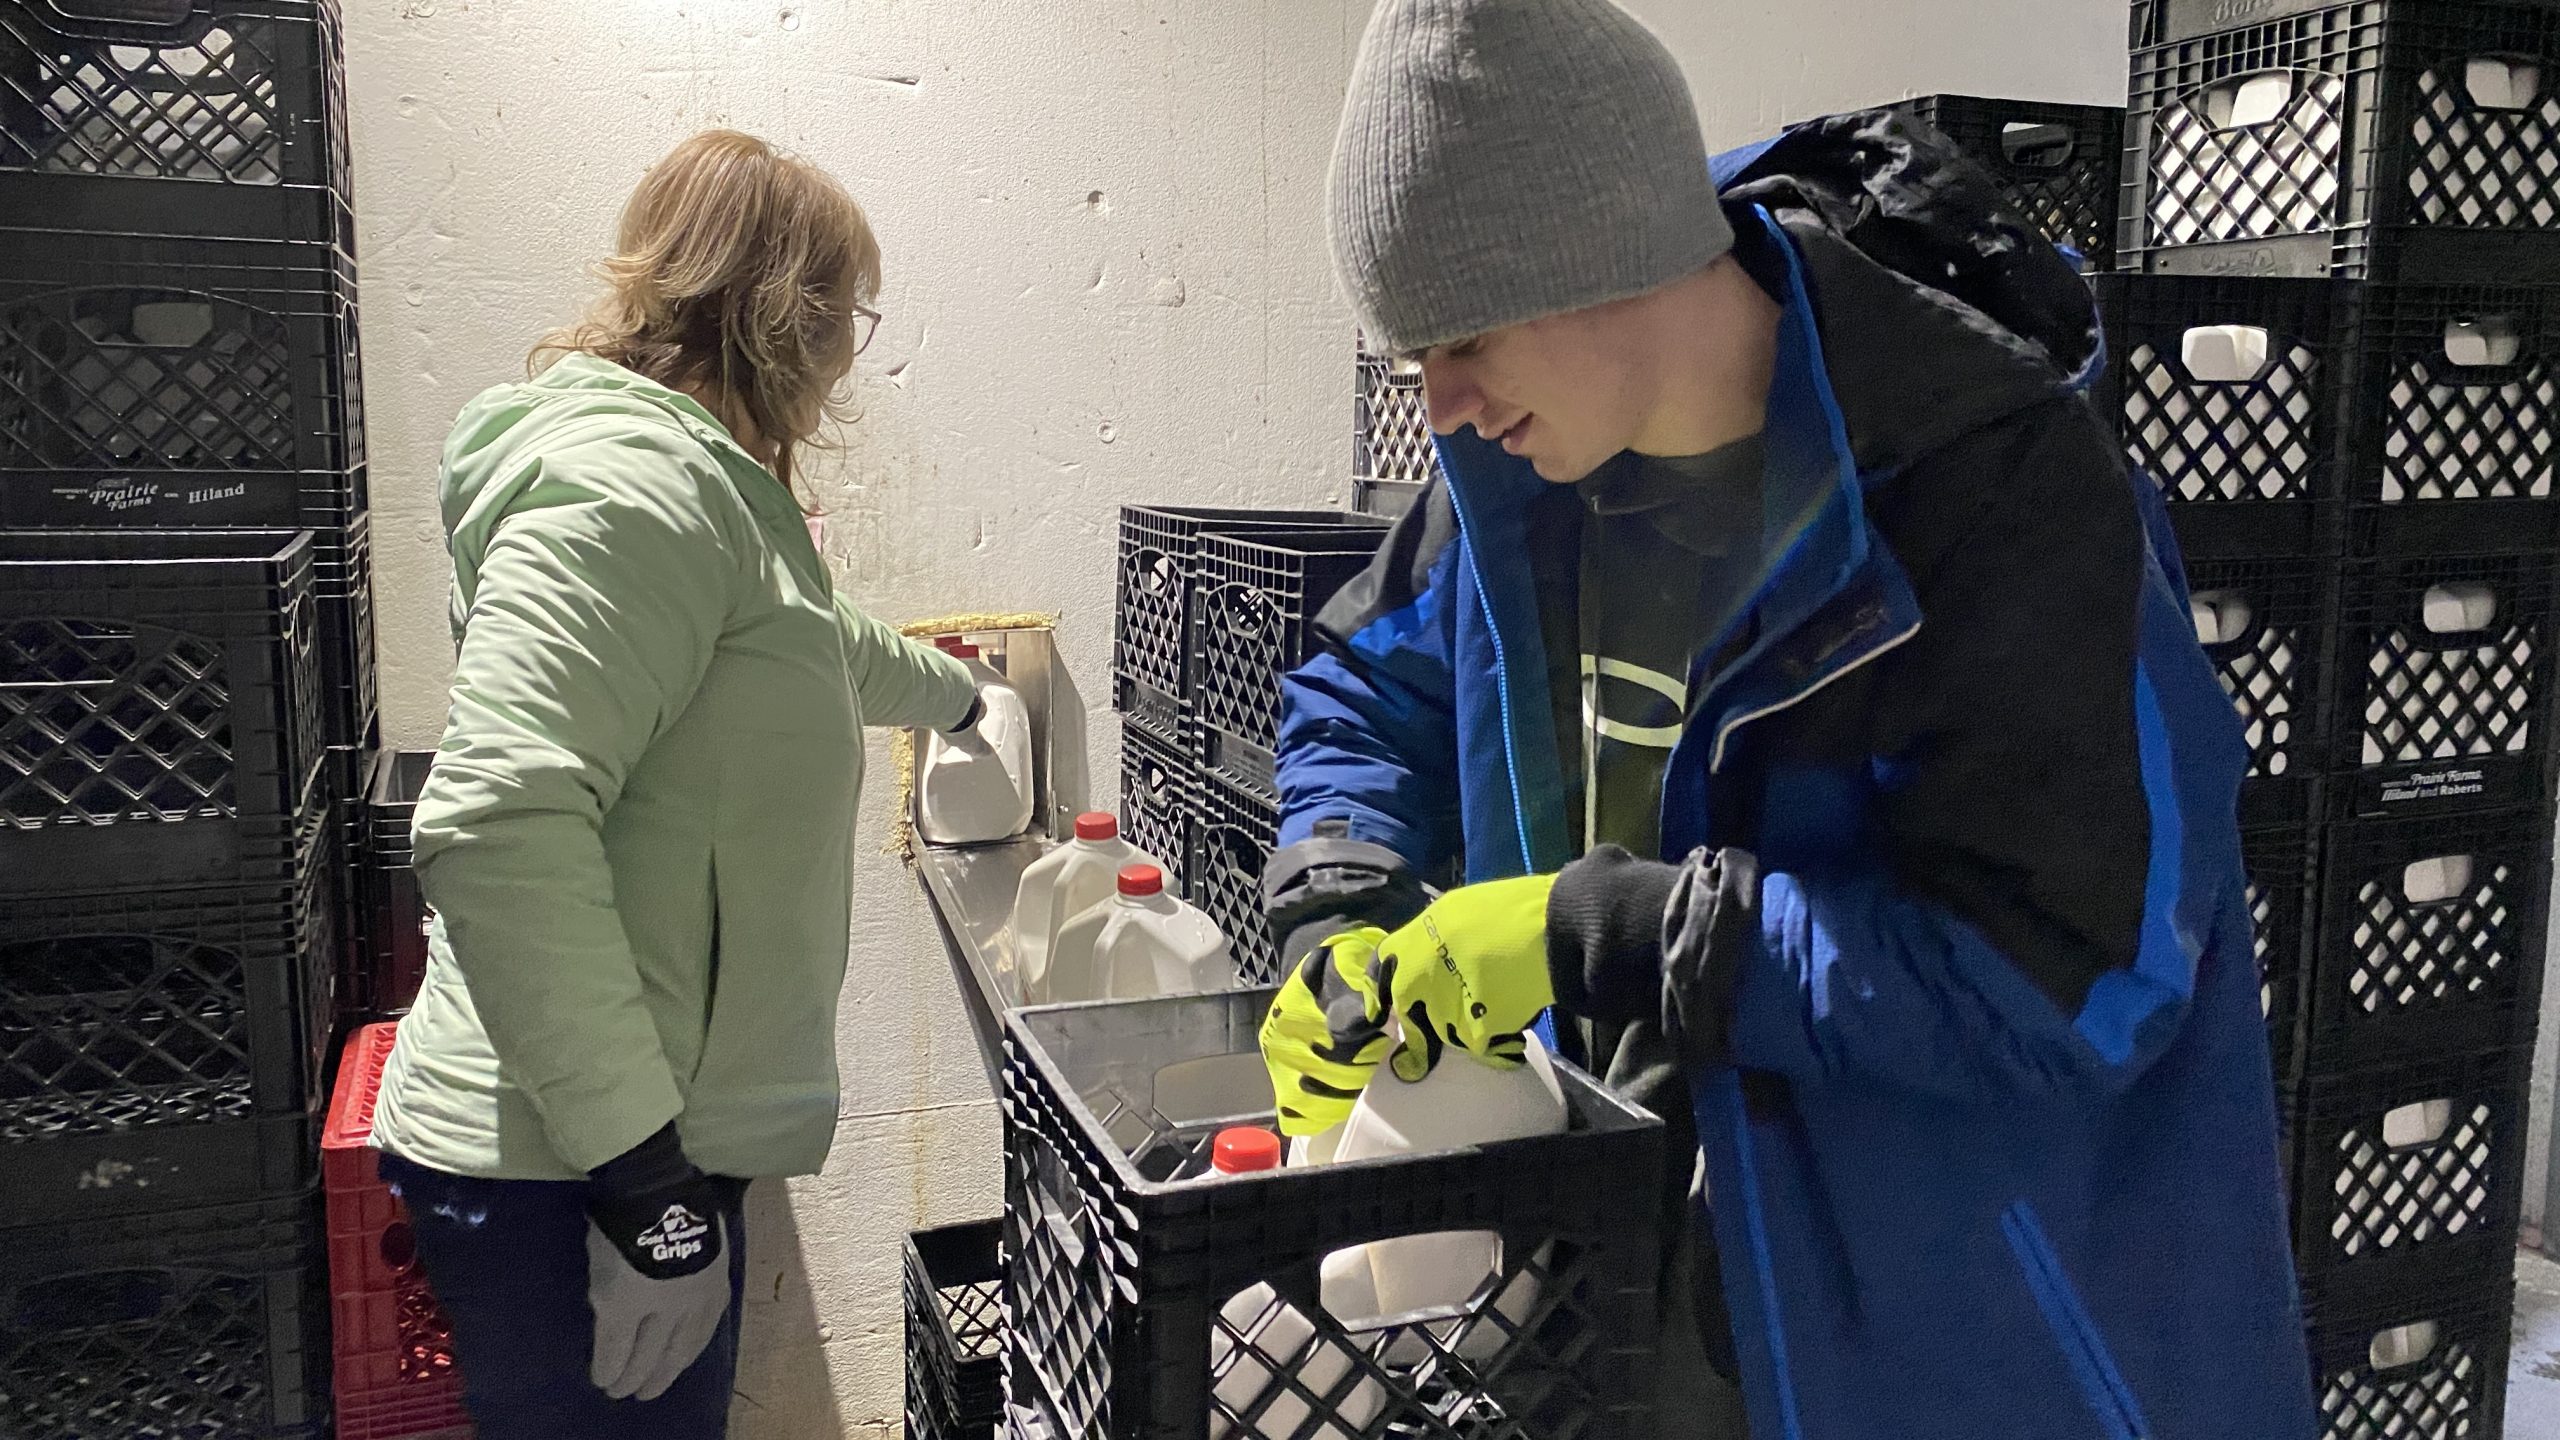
[1808, 696]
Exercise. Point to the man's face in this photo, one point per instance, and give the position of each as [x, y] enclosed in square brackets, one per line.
[1565, 392]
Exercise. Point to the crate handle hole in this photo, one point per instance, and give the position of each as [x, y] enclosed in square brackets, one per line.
[126, 12]
[2436, 879]
[2223, 354]
[2421, 1123]
[2249, 100]
[2402, 1346]
[2457, 609]
[1157, 572]
[2500, 82]
[399, 1247]
[2037, 145]
[2221, 616]
[172, 324]
[2482, 340]
[1246, 613]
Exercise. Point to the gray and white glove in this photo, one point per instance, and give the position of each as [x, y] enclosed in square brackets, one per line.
[656, 1277]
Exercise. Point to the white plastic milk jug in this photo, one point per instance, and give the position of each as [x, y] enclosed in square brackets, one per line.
[1139, 943]
[1061, 885]
[1279, 1340]
[977, 786]
[1463, 1101]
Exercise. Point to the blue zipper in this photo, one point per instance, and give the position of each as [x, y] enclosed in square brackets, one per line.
[2083, 1348]
[1502, 689]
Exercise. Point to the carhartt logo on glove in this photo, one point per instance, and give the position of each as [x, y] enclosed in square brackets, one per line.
[678, 1235]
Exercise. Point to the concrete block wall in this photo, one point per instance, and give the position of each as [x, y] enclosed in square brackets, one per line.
[1106, 282]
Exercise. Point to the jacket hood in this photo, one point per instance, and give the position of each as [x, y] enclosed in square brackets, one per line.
[1939, 309]
[575, 398]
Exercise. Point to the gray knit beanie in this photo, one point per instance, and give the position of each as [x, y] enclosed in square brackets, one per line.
[1500, 160]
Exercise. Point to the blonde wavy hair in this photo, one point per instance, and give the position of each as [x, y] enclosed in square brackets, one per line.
[738, 273]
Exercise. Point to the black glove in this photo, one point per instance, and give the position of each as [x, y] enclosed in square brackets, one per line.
[655, 1277]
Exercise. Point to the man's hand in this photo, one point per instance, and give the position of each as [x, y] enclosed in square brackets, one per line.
[1326, 1033]
[1469, 971]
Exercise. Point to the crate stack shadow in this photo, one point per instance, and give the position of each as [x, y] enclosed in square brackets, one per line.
[2334, 342]
[187, 708]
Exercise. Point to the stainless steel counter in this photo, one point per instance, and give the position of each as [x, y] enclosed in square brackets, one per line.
[971, 889]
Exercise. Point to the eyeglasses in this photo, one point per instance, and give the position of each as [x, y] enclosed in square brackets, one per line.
[866, 323]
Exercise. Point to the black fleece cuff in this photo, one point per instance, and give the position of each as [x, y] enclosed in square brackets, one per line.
[653, 1164]
[1320, 887]
[1604, 935]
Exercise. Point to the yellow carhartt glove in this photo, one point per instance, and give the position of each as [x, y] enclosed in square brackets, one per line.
[1326, 1033]
[1469, 971]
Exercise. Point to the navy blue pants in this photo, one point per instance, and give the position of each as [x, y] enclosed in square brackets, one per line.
[508, 1261]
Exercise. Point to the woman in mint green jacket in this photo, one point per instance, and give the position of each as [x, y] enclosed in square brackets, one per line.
[638, 832]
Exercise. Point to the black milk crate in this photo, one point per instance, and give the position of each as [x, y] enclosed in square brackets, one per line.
[1159, 549]
[2409, 1175]
[164, 1049]
[2430, 937]
[2351, 141]
[2055, 164]
[2455, 399]
[208, 1323]
[2434, 709]
[1254, 602]
[1391, 425]
[1156, 785]
[2278, 862]
[953, 1289]
[1120, 1257]
[1231, 839]
[169, 382]
[342, 584]
[2157, 22]
[160, 709]
[924, 1423]
[2265, 626]
[342, 578]
[2246, 461]
[396, 912]
[177, 117]
[2426, 1366]
[348, 776]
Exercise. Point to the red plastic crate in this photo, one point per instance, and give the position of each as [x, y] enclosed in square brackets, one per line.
[394, 1347]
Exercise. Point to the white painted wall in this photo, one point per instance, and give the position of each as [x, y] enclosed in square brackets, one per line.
[2539, 1174]
[1106, 282]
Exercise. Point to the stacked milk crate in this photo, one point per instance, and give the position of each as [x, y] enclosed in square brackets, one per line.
[2335, 346]
[1214, 607]
[185, 676]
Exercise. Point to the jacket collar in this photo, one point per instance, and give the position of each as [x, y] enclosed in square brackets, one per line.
[1817, 531]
